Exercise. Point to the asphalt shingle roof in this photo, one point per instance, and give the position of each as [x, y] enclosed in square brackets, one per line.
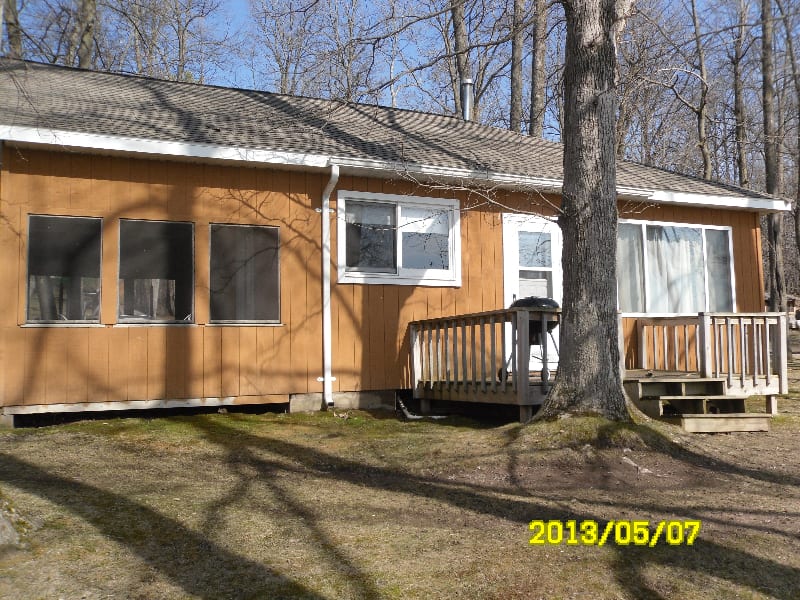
[59, 98]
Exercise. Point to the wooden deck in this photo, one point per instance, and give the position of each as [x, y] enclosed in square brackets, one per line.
[696, 371]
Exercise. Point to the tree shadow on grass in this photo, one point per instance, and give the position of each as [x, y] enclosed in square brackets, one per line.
[204, 569]
[198, 565]
[705, 557]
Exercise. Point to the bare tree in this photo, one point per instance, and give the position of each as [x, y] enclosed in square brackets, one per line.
[517, 42]
[777, 294]
[13, 29]
[538, 74]
[589, 378]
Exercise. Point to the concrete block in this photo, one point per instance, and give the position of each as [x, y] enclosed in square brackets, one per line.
[305, 403]
[384, 399]
[6, 420]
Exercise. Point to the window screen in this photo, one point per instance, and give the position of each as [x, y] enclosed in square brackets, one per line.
[156, 271]
[245, 273]
[371, 237]
[63, 269]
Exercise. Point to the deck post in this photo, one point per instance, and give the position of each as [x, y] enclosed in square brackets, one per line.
[621, 344]
[781, 353]
[705, 339]
[522, 370]
[416, 365]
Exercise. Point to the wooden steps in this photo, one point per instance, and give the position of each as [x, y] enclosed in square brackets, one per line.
[721, 423]
[697, 404]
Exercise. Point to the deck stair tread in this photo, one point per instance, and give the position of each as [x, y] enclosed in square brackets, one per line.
[721, 423]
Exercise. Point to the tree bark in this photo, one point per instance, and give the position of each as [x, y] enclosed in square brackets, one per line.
[517, 41]
[589, 379]
[461, 41]
[796, 80]
[739, 111]
[777, 287]
[702, 106]
[536, 127]
[13, 29]
[87, 21]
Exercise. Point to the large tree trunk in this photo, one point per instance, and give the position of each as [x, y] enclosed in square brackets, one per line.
[777, 288]
[517, 39]
[589, 379]
[536, 128]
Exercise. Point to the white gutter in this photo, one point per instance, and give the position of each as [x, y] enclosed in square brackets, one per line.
[327, 342]
[148, 147]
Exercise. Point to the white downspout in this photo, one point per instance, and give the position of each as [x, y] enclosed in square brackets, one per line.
[327, 342]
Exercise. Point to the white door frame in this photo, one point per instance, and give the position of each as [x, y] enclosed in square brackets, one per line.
[513, 223]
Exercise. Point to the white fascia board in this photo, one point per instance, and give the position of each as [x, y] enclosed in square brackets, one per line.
[741, 202]
[149, 147]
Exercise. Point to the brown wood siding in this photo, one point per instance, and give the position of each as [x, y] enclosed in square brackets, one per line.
[54, 365]
[748, 269]
[42, 365]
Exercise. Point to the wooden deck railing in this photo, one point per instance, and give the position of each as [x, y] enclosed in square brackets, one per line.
[468, 352]
[748, 349]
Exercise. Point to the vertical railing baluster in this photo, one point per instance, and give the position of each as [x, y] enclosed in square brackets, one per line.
[493, 361]
[464, 352]
[446, 343]
[743, 351]
[523, 357]
[675, 346]
[756, 351]
[729, 346]
[685, 348]
[768, 350]
[514, 345]
[474, 363]
[504, 366]
[482, 327]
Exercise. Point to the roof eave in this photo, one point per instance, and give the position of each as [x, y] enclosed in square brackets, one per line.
[150, 148]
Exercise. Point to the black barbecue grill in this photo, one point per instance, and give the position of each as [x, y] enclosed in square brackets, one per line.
[535, 337]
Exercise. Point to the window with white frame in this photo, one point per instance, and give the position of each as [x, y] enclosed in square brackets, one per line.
[63, 269]
[674, 268]
[404, 240]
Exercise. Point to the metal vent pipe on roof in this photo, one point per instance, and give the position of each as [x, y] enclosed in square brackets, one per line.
[467, 98]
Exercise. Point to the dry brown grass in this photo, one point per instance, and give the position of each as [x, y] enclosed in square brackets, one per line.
[311, 506]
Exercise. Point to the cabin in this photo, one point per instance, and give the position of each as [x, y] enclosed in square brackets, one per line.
[172, 245]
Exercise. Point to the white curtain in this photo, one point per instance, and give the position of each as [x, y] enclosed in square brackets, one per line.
[630, 268]
[676, 270]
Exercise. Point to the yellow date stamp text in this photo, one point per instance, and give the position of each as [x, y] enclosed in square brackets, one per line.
[621, 533]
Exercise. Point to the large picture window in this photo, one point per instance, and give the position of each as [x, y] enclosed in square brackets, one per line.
[391, 239]
[245, 274]
[156, 271]
[63, 269]
[674, 268]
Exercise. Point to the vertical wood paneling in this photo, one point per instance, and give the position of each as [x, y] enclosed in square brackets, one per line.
[14, 366]
[212, 362]
[120, 368]
[80, 189]
[52, 344]
[79, 371]
[195, 350]
[137, 363]
[230, 361]
[248, 358]
[176, 362]
[268, 364]
[97, 385]
[202, 262]
[157, 356]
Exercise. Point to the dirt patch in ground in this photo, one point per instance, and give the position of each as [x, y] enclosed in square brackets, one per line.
[314, 506]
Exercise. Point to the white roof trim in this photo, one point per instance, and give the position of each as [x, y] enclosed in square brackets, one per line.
[151, 147]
